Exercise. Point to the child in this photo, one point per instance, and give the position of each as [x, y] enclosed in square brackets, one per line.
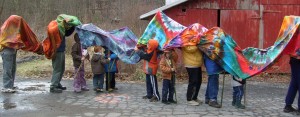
[97, 64]
[110, 70]
[78, 55]
[168, 66]
[150, 68]
[238, 92]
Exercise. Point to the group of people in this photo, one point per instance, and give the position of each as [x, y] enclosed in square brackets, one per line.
[193, 60]
[106, 64]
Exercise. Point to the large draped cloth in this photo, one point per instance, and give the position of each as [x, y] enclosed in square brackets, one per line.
[161, 28]
[221, 47]
[55, 31]
[120, 41]
[15, 33]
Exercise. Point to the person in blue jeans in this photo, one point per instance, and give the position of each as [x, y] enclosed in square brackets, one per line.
[97, 64]
[9, 69]
[293, 87]
[213, 69]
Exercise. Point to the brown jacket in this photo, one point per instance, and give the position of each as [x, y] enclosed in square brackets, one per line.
[166, 67]
[97, 63]
[77, 54]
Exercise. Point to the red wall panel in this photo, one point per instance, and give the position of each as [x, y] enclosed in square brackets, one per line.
[242, 26]
[286, 2]
[273, 16]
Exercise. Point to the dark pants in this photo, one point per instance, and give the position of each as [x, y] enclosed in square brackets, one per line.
[195, 80]
[9, 67]
[58, 65]
[168, 88]
[98, 81]
[295, 82]
[238, 92]
[110, 76]
[212, 87]
[151, 85]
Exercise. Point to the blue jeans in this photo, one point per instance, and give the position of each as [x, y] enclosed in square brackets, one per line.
[168, 88]
[295, 82]
[98, 81]
[9, 67]
[212, 87]
[238, 92]
[151, 85]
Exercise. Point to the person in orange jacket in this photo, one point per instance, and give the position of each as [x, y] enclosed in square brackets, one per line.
[168, 67]
[150, 56]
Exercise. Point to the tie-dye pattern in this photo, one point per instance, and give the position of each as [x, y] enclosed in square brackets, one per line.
[55, 30]
[121, 41]
[15, 33]
[161, 28]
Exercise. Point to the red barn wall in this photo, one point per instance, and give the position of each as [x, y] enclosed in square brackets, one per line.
[252, 23]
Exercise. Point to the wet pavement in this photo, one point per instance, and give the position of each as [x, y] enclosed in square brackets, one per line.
[33, 99]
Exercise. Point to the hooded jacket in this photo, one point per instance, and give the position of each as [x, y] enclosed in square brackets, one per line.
[98, 62]
[150, 57]
[77, 53]
[166, 65]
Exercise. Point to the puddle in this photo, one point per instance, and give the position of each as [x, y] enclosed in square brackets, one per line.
[32, 87]
[6, 104]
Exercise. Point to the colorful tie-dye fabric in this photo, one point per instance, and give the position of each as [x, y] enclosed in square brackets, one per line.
[15, 33]
[55, 30]
[121, 41]
[189, 36]
[246, 63]
[161, 28]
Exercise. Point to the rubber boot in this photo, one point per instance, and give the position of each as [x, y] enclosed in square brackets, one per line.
[239, 105]
[233, 100]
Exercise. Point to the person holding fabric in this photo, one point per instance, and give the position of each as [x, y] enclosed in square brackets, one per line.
[9, 69]
[79, 55]
[98, 62]
[168, 67]
[294, 85]
[192, 59]
[213, 69]
[150, 56]
[238, 92]
[58, 64]
[111, 70]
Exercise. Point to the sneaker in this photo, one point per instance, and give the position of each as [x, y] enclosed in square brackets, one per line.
[206, 101]
[55, 90]
[77, 91]
[110, 90]
[288, 109]
[153, 99]
[8, 90]
[165, 102]
[85, 89]
[193, 103]
[146, 97]
[199, 101]
[62, 87]
[115, 88]
[214, 104]
[172, 101]
[99, 90]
